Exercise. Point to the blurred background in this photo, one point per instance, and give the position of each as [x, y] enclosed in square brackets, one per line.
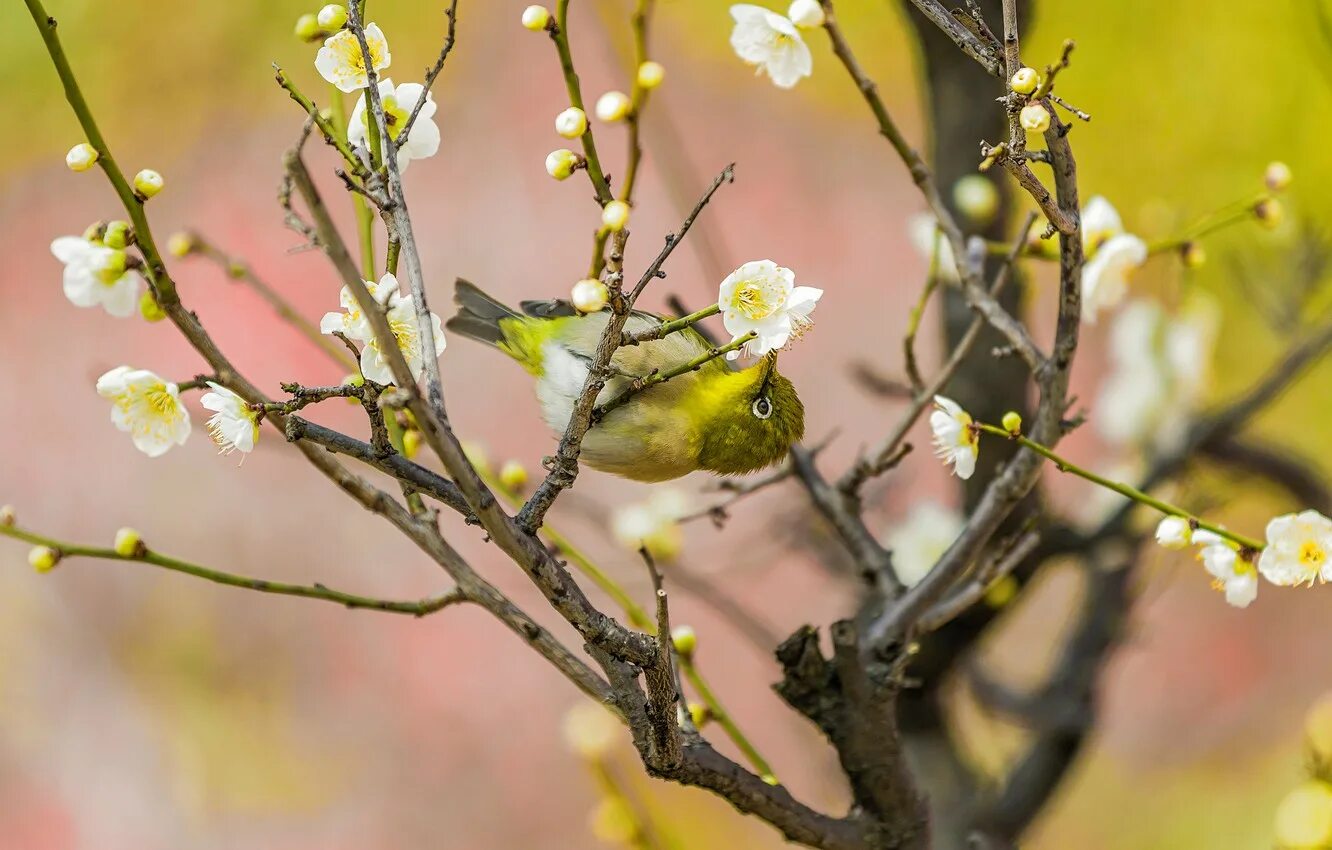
[140, 709]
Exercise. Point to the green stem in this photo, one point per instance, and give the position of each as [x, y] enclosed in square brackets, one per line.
[1224, 217]
[670, 327]
[365, 217]
[652, 379]
[560, 35]
[638, 99]
[315, 591]
[163, 286]
[1065, 465]
[719, 714]
[913, 322]
[333, 129]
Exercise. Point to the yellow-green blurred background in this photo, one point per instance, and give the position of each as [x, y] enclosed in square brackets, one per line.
[145, 710]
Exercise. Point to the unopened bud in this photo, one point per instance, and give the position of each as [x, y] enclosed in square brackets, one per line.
[1174, 532]
[411, 443]
[94, 231]
[590, 730]
[81, 157]
[332, 17]
[308, 29]
[1277, 176]
[1025, 81]
[589, 295]
[147, 183]
[513, 476]
[7, 515]
[43, 558]
[806, 13]
[1001, 591]
[650, 75]
[613, 106]
[685, 641]
[571, 123]
[117, 235]
[1270, 213]
[1034, 118]
[150, 309]
[1192, 254]
[129, 543]
[615, 215]
[699, 714]
[977, 198]
[180, 244]
[561, 163]
[354, 380]
[535, 18]
[1304, 816]
[1012, 422]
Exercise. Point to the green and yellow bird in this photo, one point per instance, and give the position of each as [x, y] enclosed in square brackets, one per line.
[716, 418]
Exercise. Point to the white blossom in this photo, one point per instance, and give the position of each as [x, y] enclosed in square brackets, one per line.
[806, 13]
[81, 157]
[1113, 255]
[761, 297]
[1160, 366]
[148, 408]
[1231, 574]
[771, 43]
[399, 101]
[402, 320]
[1173, 532]
[1299, 549]
[955, 440]
[341, 62]
[95, 275]
[351, 321]
[652, 525]
[233, 425]
[923, 230]
[919, 541]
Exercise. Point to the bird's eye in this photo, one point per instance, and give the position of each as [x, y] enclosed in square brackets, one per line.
[762, 407]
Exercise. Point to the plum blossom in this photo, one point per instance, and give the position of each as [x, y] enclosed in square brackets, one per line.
[771, 43]
[761, 297]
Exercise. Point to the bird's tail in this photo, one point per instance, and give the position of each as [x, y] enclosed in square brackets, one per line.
[478, 315]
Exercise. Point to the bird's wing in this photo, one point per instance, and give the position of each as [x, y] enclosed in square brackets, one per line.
[581, 334]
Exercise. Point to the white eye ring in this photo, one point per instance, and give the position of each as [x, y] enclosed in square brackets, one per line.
[762, 408]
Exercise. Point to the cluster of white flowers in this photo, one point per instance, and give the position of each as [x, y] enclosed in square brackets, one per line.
[150, 410]
[97, 275]
[1112, 255]
[761, 298]
[402, 320]
[342, 63]
[1298, 551]
[1159, 372]
[772, 42]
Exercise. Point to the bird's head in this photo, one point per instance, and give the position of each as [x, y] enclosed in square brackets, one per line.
[749, 418]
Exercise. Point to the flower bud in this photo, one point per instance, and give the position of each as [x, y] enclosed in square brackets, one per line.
[571, 123]
[114, 263]
[1270, 213]
[355, 380]
[147, 183]
[1001, 591]
[699, 714]
[615, 215]
[806, 13]
[129, 543]
[590, 730]
[307, 28]
[81, 157]
[150, 309]
[1304, 817]
[1192, 254]
[589, 295]
[411, 443]
[1034, 118]
[7, 515]
[650, 75]
[94, 231]
[476, 454]
[43, 558]
[180, 244]
[561, 163]
[1012, 422]
[977, 198]
[1277, 176]
[1174, 532]
[1025, 81]
[684, 640]
[117, 235]
[536, 18]
[332, 17]
[613, 106]
[513, 476]
[613, 822]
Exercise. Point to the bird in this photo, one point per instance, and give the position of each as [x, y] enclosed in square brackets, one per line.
[717, 418]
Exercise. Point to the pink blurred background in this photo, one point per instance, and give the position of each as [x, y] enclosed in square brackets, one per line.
[145, 710]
